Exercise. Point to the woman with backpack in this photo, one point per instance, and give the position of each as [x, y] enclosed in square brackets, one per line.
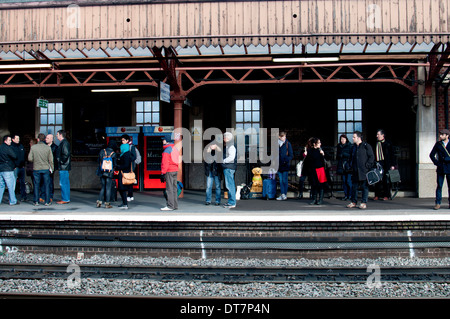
[106, 162]
[124, 165]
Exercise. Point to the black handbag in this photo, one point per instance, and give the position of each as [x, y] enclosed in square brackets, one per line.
[393, 176]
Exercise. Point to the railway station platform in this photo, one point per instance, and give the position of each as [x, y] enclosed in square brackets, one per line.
[146, 207]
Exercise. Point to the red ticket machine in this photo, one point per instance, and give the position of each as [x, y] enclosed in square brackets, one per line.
[152, 155]
[134, 132]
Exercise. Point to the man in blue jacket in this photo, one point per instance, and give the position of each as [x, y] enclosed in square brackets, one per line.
[286, 154]
[442, 150]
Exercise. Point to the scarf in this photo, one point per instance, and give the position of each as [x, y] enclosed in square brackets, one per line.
[379, 151]
[124, 148]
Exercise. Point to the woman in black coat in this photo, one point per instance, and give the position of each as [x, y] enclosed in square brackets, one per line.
[344, 152]
[315, 162]
[124, 165]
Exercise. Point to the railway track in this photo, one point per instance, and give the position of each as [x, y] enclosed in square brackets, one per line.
[225, 274]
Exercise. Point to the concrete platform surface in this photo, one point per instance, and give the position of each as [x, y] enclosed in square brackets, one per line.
[146, 207]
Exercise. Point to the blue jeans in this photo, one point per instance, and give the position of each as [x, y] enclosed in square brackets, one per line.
[347, 184]
[283, 176]
[440, 183]
[105, 191]
[7, 179]
[45, 176]
[209, 184]
[365, 191]
[19, 172]
[64, 182]
[230, 185]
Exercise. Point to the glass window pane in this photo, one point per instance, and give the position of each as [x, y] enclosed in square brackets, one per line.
[358, 104]
[247, 126]
[341, 104]
[239, 125]
[140, 117]
[247, 105]
[349, 127]
[358, 126]
[155, 106]
[139, 106]
[341, 115]
[239, 116]
[155, 118]
[255, 116]
[341, 127]
[349, 104]
[239, 105]
[349, 115]
[51, 107]
[44, 119]
[147, 117]
[247, 116]
[256, 127]
[147, 106]
[59, 119]
[43, 129]
[51, 130]
[255, 104]
[43, 110]
[59, 108]
[57, 128]
[358, 115]
[51, 119]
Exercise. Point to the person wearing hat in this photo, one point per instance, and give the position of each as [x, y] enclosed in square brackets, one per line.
[384, 155]
[169, 173]
[442, 150]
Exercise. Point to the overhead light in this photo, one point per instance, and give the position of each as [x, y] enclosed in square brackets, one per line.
[318, 59]
[114, 90]
[27, 66]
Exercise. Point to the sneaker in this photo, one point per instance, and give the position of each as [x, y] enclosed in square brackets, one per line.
[217, 204]
[437, 207]
[362, 206]
[17, 203]
[41, 200]
[130, 199]
[108, 205]
[123, 206]
[166, 208]
[384, 198]
[229, 206]
[36, 203]
[62, 202]
[375, 198]
[207, 203]
[48, 204]
[99, 204]
[351, 205]
[282, 197]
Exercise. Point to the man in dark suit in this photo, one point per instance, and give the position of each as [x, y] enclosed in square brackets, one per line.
[442, 150]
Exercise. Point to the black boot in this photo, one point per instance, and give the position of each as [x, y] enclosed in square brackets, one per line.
[320, 201]
[314, 198]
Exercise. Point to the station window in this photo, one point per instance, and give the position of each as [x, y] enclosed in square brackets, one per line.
[349, 115]
[51, 118]
[147, 113]
[248, 114]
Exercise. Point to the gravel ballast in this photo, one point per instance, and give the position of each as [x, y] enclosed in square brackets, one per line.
[140, 287]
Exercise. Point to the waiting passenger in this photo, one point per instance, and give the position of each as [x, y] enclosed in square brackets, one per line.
[229, 167]
[124, 166]
[107, 160]
[42, 157]
[442, 150]
[344, 150]
[169, 173]
[284, 163]
[362, 160]
[7, 165]
[213, 172]
[315, 161]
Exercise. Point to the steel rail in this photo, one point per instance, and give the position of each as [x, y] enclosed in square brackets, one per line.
[225, 274]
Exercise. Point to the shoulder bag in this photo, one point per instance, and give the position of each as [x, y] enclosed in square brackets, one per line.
[129, 178]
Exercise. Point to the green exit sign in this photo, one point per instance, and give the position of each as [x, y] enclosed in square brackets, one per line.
[41, 103]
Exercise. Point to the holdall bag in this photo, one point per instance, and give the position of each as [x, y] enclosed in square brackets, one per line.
[299, 168]
[321, 175]
[375, 175]
[129, 178]
[393, 176]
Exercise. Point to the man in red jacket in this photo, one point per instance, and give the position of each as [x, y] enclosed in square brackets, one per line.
[169, 172]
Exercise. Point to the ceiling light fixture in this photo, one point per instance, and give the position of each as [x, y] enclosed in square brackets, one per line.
[114, 90]
[27, 66]
[318, 59]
